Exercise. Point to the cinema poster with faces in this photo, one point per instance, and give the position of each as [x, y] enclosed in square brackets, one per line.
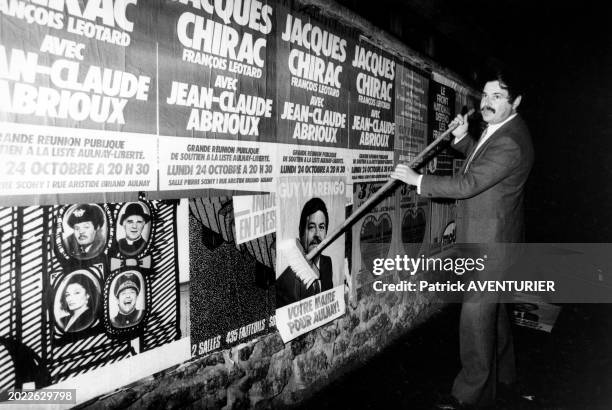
[309, 293]
[86, 286]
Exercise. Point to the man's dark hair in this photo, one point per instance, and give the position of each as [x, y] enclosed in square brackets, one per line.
[313, 205]
[508, 80]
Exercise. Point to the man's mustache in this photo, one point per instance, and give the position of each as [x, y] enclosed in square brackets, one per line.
[488, 109]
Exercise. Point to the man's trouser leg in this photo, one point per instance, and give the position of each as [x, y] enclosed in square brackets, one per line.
[476, 382]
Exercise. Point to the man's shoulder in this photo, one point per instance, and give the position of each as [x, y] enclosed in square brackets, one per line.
[515, 127]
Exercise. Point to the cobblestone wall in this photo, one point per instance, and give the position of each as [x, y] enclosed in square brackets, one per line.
[266, 373]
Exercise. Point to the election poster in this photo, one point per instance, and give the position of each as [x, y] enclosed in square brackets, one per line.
[308, 298]
[372, 236]
[411, 112]
[313, 80]
[441, 113]
[77, 97]
[232, 283]
[100, 286]
[372, 111]
[217, 113]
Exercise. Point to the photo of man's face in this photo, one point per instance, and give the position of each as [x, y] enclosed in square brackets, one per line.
[133, 226]
[85, 233]
[127, 300]
[315, 231]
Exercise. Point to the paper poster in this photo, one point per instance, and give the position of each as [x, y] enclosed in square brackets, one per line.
[442, 225]
[231, 287]
[312, 93]
[77, 97]
[372, 107]
[299, 160]
[100, 286]
[254, 216]
[411, 112]
[36, 159]
[308, 209]
[372, 236]
[442, 112]
[413, 213]
[217, 86]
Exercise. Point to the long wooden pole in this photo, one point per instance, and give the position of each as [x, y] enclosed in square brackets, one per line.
[386, 189]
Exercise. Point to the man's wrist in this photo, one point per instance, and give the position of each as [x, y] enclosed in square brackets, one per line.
[418, 184]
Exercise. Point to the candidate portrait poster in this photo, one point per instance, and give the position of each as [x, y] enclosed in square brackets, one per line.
[308, 209]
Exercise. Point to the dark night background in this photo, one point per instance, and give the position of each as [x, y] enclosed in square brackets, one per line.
[563, 50]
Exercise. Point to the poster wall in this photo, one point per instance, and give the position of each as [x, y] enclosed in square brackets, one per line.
[179, 105]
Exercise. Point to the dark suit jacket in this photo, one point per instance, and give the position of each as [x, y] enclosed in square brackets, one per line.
[289, 288]
[132, 249]
[490, 193]
[121, 320]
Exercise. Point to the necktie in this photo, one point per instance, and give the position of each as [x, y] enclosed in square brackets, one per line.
[469, 161]
[316, 286]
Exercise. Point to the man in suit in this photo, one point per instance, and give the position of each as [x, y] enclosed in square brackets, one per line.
[87, 239]
[133, 221]
[489, 216]
[290, 288]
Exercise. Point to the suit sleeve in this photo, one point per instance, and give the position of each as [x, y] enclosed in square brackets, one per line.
[465, 145]
[500, 159]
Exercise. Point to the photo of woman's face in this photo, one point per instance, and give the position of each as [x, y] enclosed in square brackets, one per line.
[76, 296]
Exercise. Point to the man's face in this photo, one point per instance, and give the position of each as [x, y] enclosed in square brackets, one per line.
[494, 105]
[133, 226]
[127, 300]
[315, 232]
[85, 233]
